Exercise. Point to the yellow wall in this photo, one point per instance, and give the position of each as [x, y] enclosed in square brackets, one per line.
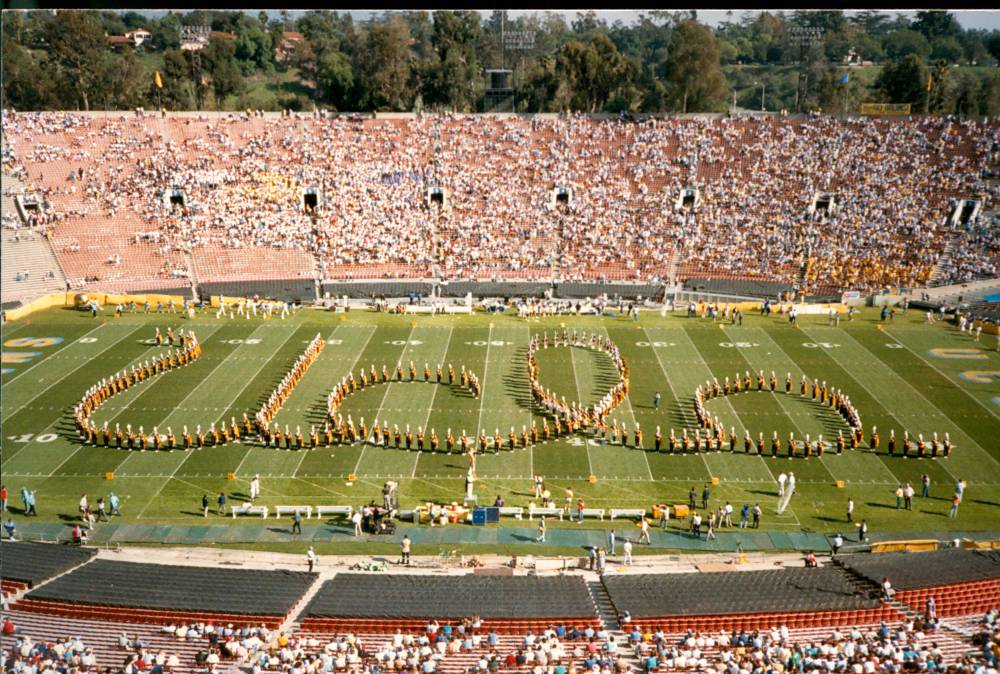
[68, 299]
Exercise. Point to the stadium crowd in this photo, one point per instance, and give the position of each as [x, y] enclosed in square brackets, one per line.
[463, 195]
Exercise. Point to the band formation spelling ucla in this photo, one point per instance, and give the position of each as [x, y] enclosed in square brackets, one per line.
[567, 418]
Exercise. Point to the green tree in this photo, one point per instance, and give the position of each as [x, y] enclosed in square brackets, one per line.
[905, 81]
[178, 89]
[219, 59]
[940, 98]
[902, 43]
[947, 49]
[691, 71]
[989, 98]
[936, 24]
[967, 95]
[871, 22]
[384, 65]
[253, 47]
[334, 78]
[123, 84]
[456, 79]
[135, 20]
[166, 33]
[25, 84]
[78, 45]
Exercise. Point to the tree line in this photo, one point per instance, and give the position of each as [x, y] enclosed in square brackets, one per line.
[416, 60]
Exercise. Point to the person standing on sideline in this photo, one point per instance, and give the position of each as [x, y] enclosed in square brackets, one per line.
[850, 510]
[311, 558]
[10, 528]
[296, 523]
[3, 498]
[591, 557]
[356, 519]
[704, 497]
[791, 484]
[756, 515]
[781, 484]
[627, 548]
[541, 530]
[114, 502]
[862, 531]
[601, 558]
[955, 502]
[664, 516]
[644, 536]
[404, 547]
[744, 515]
[899, 497]
[711, 527]
[656, 401]
[254, 488]
[611, 542]
[539, 485]
[222, 502]
[908, 496]
[692, 495]
[204, 505]
[925, 486]
[838, 542]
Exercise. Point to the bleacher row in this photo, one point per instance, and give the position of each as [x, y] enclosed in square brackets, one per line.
[753, 173]
[99, 599]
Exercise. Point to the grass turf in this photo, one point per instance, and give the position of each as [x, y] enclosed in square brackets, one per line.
[892, 376]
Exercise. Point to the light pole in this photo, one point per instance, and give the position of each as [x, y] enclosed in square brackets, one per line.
[763, 85]
[805, 37]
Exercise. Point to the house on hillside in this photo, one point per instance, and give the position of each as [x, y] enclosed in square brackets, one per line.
[138, 36]
[133, 38]
[290, 40]
[194, 38]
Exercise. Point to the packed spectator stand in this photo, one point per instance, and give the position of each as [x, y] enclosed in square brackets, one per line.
[141, 202]
[829, 619]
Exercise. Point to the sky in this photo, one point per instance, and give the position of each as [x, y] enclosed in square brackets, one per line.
[988, 19]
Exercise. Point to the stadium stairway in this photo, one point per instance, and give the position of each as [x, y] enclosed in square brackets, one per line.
[608, 614]
[189, 261]
[294, 617]
[29, 251]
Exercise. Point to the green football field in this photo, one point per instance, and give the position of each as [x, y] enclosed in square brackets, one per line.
[913, 376]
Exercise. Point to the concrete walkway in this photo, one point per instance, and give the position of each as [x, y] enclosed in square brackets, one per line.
[279, 531]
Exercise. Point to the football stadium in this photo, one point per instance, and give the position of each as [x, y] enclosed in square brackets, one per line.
[347, 341]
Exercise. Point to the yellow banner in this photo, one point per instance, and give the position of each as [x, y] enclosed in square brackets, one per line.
[885, 109]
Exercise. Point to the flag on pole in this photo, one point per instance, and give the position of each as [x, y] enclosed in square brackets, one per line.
[844, 79]
[930, 81]
[158, 80]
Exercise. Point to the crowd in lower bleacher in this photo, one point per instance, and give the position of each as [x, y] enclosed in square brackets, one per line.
[520, 196]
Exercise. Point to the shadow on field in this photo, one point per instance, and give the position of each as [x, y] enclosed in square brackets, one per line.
[887, 506]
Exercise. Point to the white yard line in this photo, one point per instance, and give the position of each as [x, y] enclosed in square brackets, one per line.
[305, 452]
[486, 369]
[579, 398]
[430, 408]
[388, 387]
[792, 360]
[52, 355]
[631, 413]
[704, 363]
[937, 412]
[206, 378]
[80, 446]
[71, 372]
[940, 371]
[875, 397]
